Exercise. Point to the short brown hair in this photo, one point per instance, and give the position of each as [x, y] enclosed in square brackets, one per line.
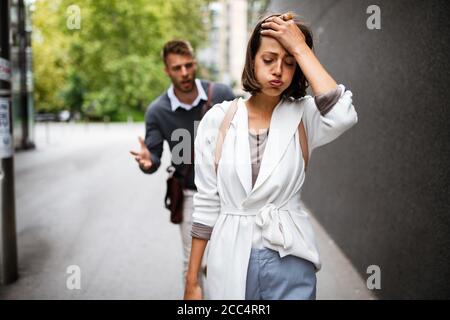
[181, 47]
[299, 84]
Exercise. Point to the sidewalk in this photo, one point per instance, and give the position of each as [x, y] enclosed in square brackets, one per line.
[337, 279]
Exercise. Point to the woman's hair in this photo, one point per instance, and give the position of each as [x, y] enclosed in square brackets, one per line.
[181, 47]
[298, 86]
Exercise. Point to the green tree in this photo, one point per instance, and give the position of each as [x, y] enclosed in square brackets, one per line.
[111, 66]
[50, 56]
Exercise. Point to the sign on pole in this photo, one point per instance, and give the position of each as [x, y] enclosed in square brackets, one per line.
[5, 70]
[6, 145]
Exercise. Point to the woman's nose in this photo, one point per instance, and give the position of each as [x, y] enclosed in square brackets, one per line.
[277, 70]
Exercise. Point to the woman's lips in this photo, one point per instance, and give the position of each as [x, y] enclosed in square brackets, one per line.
[276, 83]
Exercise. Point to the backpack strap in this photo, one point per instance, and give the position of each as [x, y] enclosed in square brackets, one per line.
[208, 104]
[224, 126]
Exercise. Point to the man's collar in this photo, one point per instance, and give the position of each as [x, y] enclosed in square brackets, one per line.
[175, 103]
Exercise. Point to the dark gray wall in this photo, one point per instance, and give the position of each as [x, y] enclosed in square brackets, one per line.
[381, 190]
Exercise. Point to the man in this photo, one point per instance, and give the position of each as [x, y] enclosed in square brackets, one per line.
[174, 112]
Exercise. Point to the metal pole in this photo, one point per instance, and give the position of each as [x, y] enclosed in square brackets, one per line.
[8, 242]
[23, 66]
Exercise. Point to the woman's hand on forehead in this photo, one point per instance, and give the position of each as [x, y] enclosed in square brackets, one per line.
[286, 32]
[285, 17]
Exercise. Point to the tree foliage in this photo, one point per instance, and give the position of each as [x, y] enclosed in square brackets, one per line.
[110, 66]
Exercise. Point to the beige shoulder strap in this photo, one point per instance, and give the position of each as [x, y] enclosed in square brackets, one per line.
[224, 126]
[303, 142]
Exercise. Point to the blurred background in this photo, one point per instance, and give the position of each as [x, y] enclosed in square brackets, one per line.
[82, 74]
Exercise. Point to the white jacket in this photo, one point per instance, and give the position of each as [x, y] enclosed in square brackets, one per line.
[228, 202]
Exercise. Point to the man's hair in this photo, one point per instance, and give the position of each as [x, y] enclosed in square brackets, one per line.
[299, 84]
[181, 47]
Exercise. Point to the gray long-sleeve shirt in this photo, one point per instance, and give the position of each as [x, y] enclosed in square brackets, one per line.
[161, 123]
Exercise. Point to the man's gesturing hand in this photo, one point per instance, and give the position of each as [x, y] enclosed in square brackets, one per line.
[143, 157]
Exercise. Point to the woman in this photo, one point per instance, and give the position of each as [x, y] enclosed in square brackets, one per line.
[261, 243]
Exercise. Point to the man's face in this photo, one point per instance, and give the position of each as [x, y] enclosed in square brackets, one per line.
[181, 70]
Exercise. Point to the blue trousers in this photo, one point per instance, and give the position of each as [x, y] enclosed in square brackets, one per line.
[270, 277]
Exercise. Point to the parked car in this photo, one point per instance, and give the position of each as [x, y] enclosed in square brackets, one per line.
[45, 117]
[62, 116]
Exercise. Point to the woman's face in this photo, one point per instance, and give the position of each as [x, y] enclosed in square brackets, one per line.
[274, 67]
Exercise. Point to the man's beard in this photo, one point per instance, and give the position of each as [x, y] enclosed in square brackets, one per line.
[182, 86]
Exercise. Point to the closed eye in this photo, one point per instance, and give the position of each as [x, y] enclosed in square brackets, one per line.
[290, 61]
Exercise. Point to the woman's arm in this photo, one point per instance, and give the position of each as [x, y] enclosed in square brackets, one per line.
[320, 80]
[323, 127]
[293, 40]
[192, 289]
[206, 200]
[324, 120]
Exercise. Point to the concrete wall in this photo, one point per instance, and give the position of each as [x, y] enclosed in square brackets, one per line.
[382, 189]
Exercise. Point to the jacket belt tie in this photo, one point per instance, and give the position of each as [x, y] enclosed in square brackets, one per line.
[273, 228]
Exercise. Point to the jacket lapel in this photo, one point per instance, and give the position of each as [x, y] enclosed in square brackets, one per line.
[283, 125]
[242, 159]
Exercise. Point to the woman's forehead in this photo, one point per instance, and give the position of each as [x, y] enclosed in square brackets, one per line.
[271, 46]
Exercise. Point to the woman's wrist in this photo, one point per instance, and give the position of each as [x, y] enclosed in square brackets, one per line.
[301, 50]
[191, 278]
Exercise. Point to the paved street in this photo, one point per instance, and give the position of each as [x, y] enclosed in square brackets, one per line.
[81, 200]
